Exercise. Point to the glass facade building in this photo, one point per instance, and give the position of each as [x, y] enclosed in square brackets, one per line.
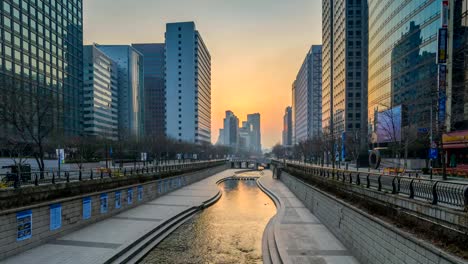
[344, 70]
[188, 84]
[131, 88]
[459, 113]
[153, 60]
[308, 96]
[41, 51]
[100, 94]
[287, 127]
[402, 57]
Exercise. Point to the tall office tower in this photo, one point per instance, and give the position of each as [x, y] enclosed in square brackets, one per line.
[458, 118]
[287, 127]
[344, 87]
[308, 96]
[188, 84]
[231, 126]
[100, 94]
[402, 58]
[245, 136]
[42, 57]
[220, 137]
[255, 139]
[131, 88]
[153, 61]
[293, 116]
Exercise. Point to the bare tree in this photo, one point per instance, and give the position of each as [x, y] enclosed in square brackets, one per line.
[30, 115]
[353, 144]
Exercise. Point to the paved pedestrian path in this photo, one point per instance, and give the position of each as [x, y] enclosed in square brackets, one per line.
[99, 242]
[300, 237]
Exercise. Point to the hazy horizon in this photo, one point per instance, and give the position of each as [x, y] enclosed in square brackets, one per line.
[256, 47]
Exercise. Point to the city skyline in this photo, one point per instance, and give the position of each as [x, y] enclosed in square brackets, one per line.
[252, 72]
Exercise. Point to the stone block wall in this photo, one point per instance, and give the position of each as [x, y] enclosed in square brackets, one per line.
[368, 238]
[72, 211]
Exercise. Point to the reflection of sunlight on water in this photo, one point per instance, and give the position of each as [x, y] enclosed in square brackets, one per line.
[228, 232]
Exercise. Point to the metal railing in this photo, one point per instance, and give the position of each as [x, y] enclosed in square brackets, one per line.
[436, 192]
[35, 178]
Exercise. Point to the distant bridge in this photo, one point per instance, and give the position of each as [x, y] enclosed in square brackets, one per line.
[250, 163]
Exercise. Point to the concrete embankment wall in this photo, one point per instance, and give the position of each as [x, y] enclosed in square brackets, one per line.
[368, 238]
[17, 236]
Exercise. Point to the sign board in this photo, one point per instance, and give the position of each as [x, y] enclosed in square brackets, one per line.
[130, 196]
[55, 216]
[140, 193]
[433, 153]
[144, 156]
[60, 155]
[104, 203]
[442, 46]
[24, 225]
[87, 208]
[118, 201]
[444, 14]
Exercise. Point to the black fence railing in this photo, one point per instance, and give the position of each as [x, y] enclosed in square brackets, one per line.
[16, 180]
[454, 194]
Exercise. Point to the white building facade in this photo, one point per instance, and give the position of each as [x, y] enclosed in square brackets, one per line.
[188, 84]
[100, 94]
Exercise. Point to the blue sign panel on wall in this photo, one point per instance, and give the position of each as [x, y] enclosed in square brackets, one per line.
[129, 196]
[55, 216]
[104, 203]
[24, 225]
[118, 201]
[87, 208]
[140, 193]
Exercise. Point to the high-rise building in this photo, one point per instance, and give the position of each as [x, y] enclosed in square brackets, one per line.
[41, 46]
[255, 137]
[344, 72]
[293, 106]
[188, 84]
[402, 58]
[220, 137]
[100, 94]
[458, 119]
[287, 127]
[153, 61]
[308, 96]
[131, 88]
[245, 136]
[231, 126]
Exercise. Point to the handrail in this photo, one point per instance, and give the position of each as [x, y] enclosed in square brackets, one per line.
[434, 191]
[35, 178]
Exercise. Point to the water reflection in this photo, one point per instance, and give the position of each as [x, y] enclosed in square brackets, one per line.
[228, 232]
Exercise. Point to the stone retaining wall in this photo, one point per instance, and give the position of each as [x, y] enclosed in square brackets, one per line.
[72, 211]
[369, 239]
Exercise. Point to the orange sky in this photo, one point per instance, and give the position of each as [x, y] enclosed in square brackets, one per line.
[257, 47]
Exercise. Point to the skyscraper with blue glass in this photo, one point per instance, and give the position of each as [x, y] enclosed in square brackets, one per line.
[402, 57]
[153, 61]
[41, 52]
[131, 88]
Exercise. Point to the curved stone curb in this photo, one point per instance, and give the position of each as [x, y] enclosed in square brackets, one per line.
[141, 247]
[270, 245]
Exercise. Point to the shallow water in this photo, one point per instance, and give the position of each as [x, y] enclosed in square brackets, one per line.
[230, 231]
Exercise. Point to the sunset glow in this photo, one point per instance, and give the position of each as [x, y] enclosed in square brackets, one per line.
[256, 47]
